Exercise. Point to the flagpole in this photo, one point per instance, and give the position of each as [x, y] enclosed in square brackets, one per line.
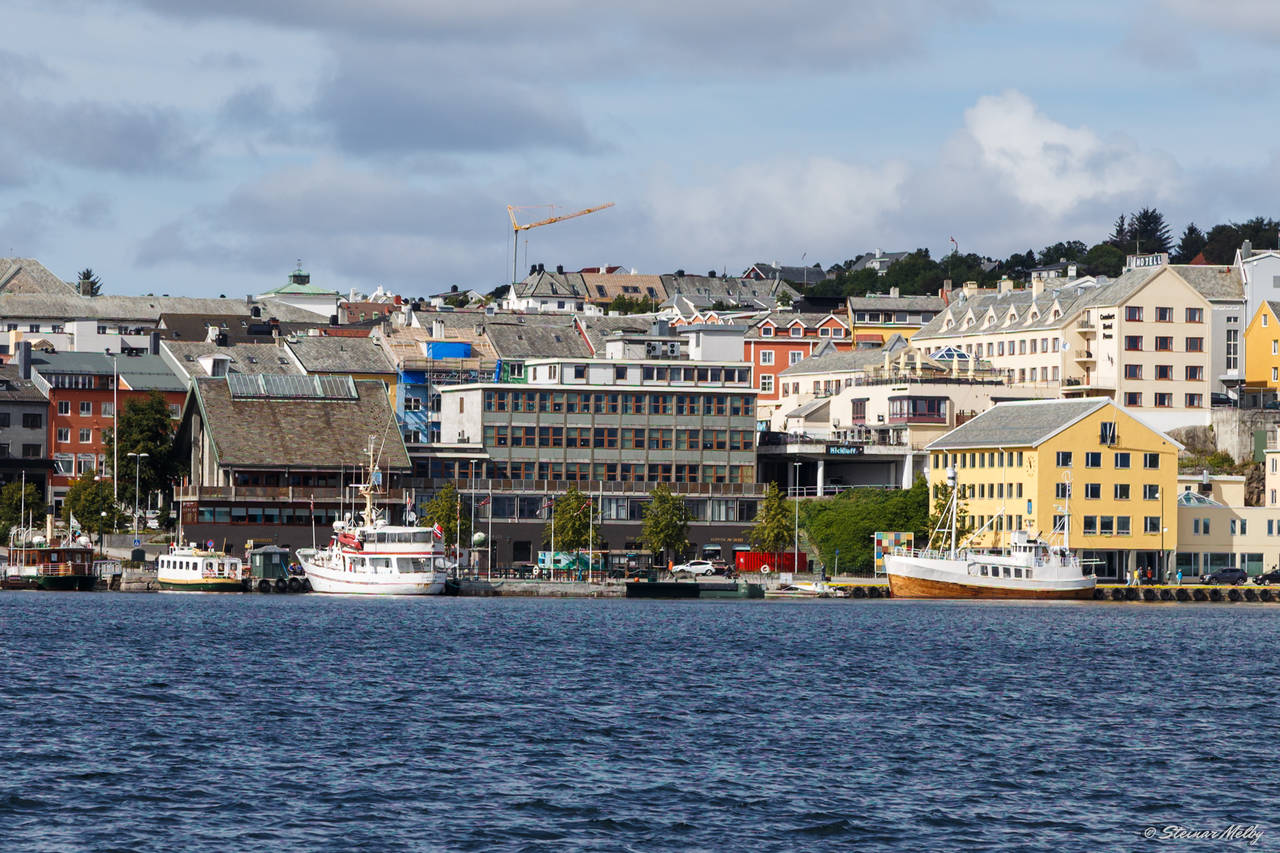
[313, 521]
[591, 533]
[488, 542]
[471, 533]
[551, 565]
[457, 536]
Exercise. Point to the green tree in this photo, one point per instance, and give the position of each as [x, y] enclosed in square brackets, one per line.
[88, 499]
[1148, 232]
[775, 525]
[1071, 250]
[574, 530]
[13, 502]
[849, 521]
[1190, 245]
[666, 523]
[145, 427]
[623, 304]
[1260, 231]
[1104, 259]
[942, 497]
[87, 277]
[446, 509]
[1221, 244]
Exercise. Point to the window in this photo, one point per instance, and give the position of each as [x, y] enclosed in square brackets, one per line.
[1061, 490]
[1107, 432]
[1195, 344]
[1133, 313]
[64, 407]
[29, 451]
[766, 383]
[797, 331]
[1164, 344]
[1133, 371]
[32, 420]
[1195, 372]
[86, 408]
[1122, 525]
[1133, 398]
[62, 434]
[1194, 401]
[766, 356]
[1064, 458]
[1150, 460]
[1091, 525]
[1106, 525]
[796, 356]
[86, 436]
[175, 411]
[1151, 491]
[1164, 315]
[1122, 491]
[1122, 460]
[108, 410]
[1092, 491]
[1195, 315]
[1164, 401]
[1151, 524]
[1133, 343]
[766, 331]
[1093, 460]
[1164, 371]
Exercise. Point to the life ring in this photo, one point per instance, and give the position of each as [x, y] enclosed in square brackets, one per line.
[764, 570]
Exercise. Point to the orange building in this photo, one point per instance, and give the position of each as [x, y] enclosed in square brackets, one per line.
[781, 339]
[83, 396]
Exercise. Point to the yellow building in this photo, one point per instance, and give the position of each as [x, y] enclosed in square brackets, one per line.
[1030, 465]
[1262, 349]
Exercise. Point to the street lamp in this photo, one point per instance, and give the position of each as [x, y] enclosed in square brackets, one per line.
[102, 527]
[115, 426]
[137, 470]
[795, 560]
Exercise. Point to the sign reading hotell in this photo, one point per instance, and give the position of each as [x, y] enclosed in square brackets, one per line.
[1133, 262]
[843, 450]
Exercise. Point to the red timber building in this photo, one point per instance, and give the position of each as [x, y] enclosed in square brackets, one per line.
[84, 391]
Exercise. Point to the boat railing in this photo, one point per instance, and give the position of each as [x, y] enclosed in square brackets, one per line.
[930, 553]
[54, 570]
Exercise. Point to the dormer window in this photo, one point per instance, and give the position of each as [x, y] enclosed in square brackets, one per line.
[766, 331]
[797, 331]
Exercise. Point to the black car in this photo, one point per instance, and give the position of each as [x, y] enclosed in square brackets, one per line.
[1217, 398]
[1227, 575]
[1269, 577]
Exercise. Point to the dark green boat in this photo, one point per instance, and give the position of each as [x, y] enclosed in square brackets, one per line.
[51, 567]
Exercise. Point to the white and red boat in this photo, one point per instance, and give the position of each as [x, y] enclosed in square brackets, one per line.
[376, 558]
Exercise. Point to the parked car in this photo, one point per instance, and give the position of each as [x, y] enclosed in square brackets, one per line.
[1269, 577]
[1217, 398]
[1228, 575]
[696, 567]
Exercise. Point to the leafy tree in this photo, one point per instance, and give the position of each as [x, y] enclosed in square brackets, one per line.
[847, 522]
[774, 530]
[12, 500]
[145, 427]
[88, 277]
[456, 300]
[624, 304]
[1104, 259]
[784, 299]
[666, 523]
[87, 500]
[1260, 231]
[574, 531]
[1190, 245]
[445, 509]
[1221, 244]
[1072, 250]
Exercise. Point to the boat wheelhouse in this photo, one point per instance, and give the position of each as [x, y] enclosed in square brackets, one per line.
[195, 570]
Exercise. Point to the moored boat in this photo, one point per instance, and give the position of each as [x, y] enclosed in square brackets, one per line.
[1030, 569]
[193, 569]
[37, 561]
[376, 558]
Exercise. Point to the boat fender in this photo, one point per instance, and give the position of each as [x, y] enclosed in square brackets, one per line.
[264, 585]
[281, 585]
[295, 585]
[764, 570]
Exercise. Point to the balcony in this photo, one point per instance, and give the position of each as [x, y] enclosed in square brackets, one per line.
[283, 494]
[1085, 357]
[594, 487]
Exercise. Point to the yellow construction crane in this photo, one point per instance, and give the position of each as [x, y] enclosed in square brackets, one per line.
[516, 228]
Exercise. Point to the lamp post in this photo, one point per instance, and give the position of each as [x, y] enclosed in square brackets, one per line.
[137, 471]
[102, 528]
[115, 427]
[795, 560]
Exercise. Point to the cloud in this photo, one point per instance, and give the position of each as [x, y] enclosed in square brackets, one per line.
[1256, 20]
[25, 229]
[1046, 164]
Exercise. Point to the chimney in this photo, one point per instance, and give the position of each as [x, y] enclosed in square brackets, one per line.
[1006, 285]
[1071, 270]
[969, 288]
[1037, 287]
[24, 359]
[153, 346]
[559, 269]
[894, 292]
[1246, 249]
[879, 253]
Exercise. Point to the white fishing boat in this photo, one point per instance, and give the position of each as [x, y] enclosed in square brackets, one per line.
[1030, 569]
[376, 558]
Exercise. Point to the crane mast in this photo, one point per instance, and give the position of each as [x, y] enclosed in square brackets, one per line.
[516, 228]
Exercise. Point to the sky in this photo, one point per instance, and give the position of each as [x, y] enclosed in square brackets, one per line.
[196, 148]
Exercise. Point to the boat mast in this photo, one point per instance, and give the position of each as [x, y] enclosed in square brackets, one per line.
[1066, 518]
[951, 482]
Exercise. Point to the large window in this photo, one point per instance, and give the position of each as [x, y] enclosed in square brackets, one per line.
[1133, 343]
[1064, 458]
[766, 383]
[766, 356]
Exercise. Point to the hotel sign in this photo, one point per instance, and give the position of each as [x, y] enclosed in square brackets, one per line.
[843, 450]
[1133, 262]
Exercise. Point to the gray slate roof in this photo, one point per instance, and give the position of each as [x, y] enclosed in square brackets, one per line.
[891, 257]
[340, 354]
[702, 291]
[536, 340]
[879, 302]
[27, 275]
[299, 433]
[1213, 282]
[598, 329]
[1026, 424]
[14, 389]
[138, 372]
[251, 358]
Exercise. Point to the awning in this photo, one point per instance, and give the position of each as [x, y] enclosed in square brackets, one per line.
[869, 339]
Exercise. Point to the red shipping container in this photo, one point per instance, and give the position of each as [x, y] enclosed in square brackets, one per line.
[758, 561]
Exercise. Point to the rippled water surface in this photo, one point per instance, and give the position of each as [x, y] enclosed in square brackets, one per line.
[229, 722]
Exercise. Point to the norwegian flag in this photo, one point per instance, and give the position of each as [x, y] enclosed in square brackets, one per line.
[549, 504]
[437, 531]
[484, 502]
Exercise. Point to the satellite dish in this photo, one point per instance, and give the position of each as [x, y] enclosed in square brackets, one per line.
[1066, 346]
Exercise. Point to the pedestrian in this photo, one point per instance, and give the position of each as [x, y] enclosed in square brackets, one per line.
[1179, 577]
